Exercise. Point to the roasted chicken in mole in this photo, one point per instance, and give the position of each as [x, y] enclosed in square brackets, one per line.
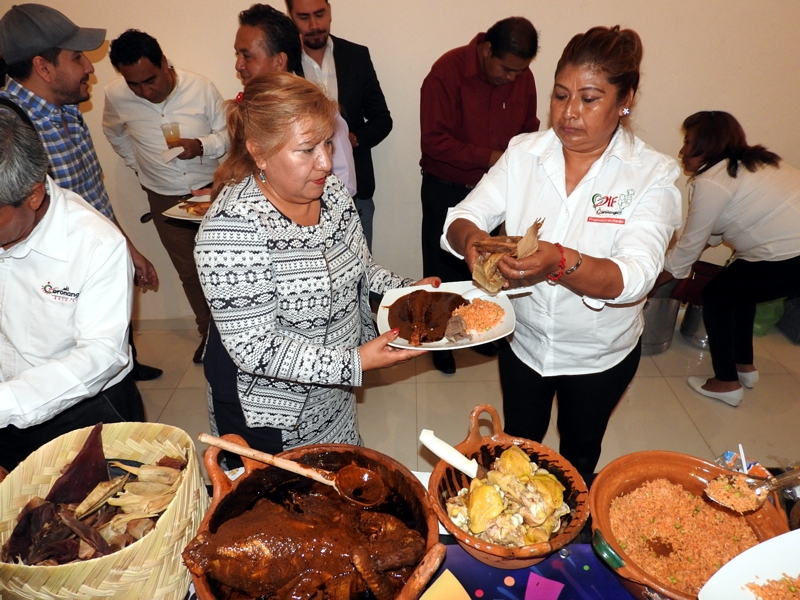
[314, 546]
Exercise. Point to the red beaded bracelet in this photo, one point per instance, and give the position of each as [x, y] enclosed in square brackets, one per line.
[562, 265]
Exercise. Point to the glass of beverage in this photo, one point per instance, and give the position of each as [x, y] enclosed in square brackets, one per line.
[172, 132]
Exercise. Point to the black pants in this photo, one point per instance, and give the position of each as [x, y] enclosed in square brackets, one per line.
[119, 403]
[585, 404]
[729, 308]
[220, 371]
[437, 197]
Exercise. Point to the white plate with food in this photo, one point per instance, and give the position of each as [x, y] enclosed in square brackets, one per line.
[498, 313]
[191, 209]
[766, 561]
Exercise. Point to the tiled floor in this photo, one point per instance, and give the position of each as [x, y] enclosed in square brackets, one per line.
[658, 412]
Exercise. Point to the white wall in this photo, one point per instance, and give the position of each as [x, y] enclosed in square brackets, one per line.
[735, 55]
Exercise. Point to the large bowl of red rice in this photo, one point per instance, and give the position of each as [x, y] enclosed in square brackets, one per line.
[446, 481]
[652, 523]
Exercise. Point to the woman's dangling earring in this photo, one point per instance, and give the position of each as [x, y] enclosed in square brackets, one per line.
[261, 176]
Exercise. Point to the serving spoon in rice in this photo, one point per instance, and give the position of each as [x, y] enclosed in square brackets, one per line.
[742, 493]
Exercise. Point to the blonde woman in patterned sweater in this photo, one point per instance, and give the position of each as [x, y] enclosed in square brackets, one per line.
[285, 268]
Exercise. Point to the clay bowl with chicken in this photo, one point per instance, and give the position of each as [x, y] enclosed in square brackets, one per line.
[276, 534]
[446, 482]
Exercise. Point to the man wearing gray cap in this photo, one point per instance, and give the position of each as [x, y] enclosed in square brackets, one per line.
[48, 76]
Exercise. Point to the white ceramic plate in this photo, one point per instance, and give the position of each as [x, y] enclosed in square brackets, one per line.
[176, 212]
[768, 560]
[502, 329]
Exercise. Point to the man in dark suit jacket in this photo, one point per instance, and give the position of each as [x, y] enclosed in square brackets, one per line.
[344, 70]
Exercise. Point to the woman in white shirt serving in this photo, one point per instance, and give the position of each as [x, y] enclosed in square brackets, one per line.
[610, 207]
[756, 210]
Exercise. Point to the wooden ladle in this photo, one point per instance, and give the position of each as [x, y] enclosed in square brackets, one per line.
[355, 484]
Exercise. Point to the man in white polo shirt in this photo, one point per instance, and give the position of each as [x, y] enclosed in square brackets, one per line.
[66, 288]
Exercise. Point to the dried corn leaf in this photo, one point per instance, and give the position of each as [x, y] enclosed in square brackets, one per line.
[112, 529]
[130, 503]
[486, 274]
[99, 495]
[85, 551]
[121, 541]
[530, 241]
[157, 474]
[138, 528]
[149, 488]
[124, 518]
[485, 271]
[154, 473]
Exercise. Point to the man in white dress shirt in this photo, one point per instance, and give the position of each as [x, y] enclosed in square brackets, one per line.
[268, 41]
[149, 94]
[345, 71]
[66, 288]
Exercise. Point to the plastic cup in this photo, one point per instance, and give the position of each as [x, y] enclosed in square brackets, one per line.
[172, 132]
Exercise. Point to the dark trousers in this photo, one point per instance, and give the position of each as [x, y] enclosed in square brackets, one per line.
[119, 403]
[221, 371]
[729, 308]
[177, 238]
[437, 197]
[585, 404]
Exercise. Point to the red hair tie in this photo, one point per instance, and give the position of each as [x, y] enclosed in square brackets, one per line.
[239, 97]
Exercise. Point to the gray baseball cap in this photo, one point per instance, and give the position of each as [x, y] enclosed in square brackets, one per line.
[29, 29]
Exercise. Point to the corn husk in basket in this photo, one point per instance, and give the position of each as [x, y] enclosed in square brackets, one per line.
[149, 569]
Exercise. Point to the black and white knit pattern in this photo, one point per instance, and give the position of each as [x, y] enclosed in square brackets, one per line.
[291, 304]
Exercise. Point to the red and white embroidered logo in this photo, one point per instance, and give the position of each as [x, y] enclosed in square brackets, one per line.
[609, 208]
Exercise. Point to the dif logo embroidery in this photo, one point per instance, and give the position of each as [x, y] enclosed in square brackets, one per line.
[61, 294]
[609, 208]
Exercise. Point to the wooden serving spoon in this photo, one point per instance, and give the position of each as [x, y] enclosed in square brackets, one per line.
[355, 484]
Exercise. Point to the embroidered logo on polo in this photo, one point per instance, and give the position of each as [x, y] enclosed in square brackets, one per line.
[61, 294]
[609, 208]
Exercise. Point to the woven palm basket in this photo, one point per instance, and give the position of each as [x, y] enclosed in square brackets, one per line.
[149, 569]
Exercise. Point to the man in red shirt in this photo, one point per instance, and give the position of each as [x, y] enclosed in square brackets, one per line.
[474, 100]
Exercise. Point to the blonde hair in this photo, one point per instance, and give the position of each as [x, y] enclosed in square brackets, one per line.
[265, 114]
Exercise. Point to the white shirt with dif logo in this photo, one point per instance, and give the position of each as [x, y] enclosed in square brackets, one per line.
[625, 209]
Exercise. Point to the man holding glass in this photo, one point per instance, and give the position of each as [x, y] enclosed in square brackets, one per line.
[151, 109]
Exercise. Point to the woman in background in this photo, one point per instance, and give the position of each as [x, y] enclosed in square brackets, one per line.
[287, 273]
[610, 208]
[741, 195]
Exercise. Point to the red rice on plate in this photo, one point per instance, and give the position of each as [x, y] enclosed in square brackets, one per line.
[786, 588]
[659, 515]
[480, 315]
